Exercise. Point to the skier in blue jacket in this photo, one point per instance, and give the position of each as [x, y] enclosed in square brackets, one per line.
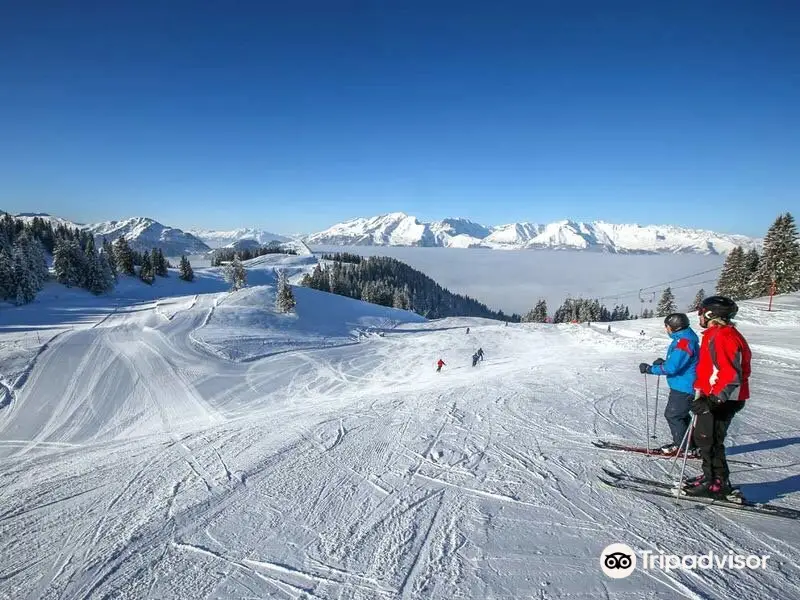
[680, 368]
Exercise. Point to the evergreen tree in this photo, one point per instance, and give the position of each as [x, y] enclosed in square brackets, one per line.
[540, 312]
[33, 251]
[780, 259]
[733, 277]
[159, 262]
[23, 277]
[69, 263]
[108, 251]
[665, 306]
[146, 271]
[235, 274]
[8, 289]
[106, 277]
[123, 256]
[284, 298]
[698, 300]
[186, 272]
[751, 261]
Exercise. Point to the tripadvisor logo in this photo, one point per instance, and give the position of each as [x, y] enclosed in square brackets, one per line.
[619, 561]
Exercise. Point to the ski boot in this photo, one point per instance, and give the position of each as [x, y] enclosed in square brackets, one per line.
[693, 482]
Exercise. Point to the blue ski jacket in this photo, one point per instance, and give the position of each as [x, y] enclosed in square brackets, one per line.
[681, 363]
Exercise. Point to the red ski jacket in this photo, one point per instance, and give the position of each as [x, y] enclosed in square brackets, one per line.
[723, 368]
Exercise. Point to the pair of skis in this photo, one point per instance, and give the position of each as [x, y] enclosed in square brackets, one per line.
[606, 445]
[734, 500]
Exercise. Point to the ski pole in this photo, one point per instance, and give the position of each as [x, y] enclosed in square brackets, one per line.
[685, 456]
[655, 415]
[647, 413]
[684, 445]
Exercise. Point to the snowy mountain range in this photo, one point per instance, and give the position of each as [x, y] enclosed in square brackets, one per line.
[219, 239]
[144, 233]
[400, 229]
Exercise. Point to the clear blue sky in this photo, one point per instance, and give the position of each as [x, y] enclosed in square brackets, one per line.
[294, 115]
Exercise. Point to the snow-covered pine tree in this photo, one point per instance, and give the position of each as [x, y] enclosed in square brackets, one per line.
[751, 260]
[92, 278]
[123, 256]
[108, 250]
[106, 279]
[8, 288]
[146, 272]
[698, 300]
[584, 310]
[69, 262]
[235, 274]
[666, 305]
[23, 278]
[33, 251]
[733, 278]
[284, 298]
[540, 312]
[780, 258]
[163, 264]
[186, 271]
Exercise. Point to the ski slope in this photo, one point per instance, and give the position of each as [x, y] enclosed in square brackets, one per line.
[202, 446]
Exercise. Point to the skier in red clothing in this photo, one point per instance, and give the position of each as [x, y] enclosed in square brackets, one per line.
[439, 365]
[721, 389]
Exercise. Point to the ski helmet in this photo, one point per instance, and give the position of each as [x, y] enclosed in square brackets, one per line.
[677, 322]
[718, 307]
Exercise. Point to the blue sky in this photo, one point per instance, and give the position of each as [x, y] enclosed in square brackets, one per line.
[294, 115]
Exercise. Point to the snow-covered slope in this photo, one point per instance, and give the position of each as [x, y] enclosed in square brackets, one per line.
[217, 239]
[147, 451]
[399, 229]
[144, 233]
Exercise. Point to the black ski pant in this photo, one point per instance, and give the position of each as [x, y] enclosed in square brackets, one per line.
[677, 414]
[709, 435]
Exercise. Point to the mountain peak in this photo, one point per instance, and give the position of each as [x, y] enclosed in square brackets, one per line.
[399, 229]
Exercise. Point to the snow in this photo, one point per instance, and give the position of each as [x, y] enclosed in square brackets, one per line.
[219, 239]
[138, 460]
[144, 233]
[400, 229]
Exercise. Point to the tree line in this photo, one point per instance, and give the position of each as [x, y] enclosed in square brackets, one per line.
[749, 274]
[224, 255]
[577, 310]
[77, 262]
[390, 282]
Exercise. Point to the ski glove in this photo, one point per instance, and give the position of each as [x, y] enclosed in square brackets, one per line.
[644, 368]
[658, 362]
[701, 405]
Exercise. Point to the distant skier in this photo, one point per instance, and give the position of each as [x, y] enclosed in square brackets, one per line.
[609, 329]
[480, 353]
[506, 323]
[474, 359]
[439, 365]
[467, 329]
[722, 387]
[680, 369]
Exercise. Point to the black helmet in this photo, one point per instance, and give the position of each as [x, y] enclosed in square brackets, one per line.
[677, 322]
[718, 307]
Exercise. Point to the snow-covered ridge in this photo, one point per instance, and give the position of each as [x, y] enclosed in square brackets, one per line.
[400, 229]
[144, 233]
[218, 239]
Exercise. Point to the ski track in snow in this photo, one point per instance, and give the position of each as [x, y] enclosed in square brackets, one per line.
[138, 463]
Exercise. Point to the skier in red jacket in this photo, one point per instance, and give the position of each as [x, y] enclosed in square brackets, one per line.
[721, 389]
[439, 365]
